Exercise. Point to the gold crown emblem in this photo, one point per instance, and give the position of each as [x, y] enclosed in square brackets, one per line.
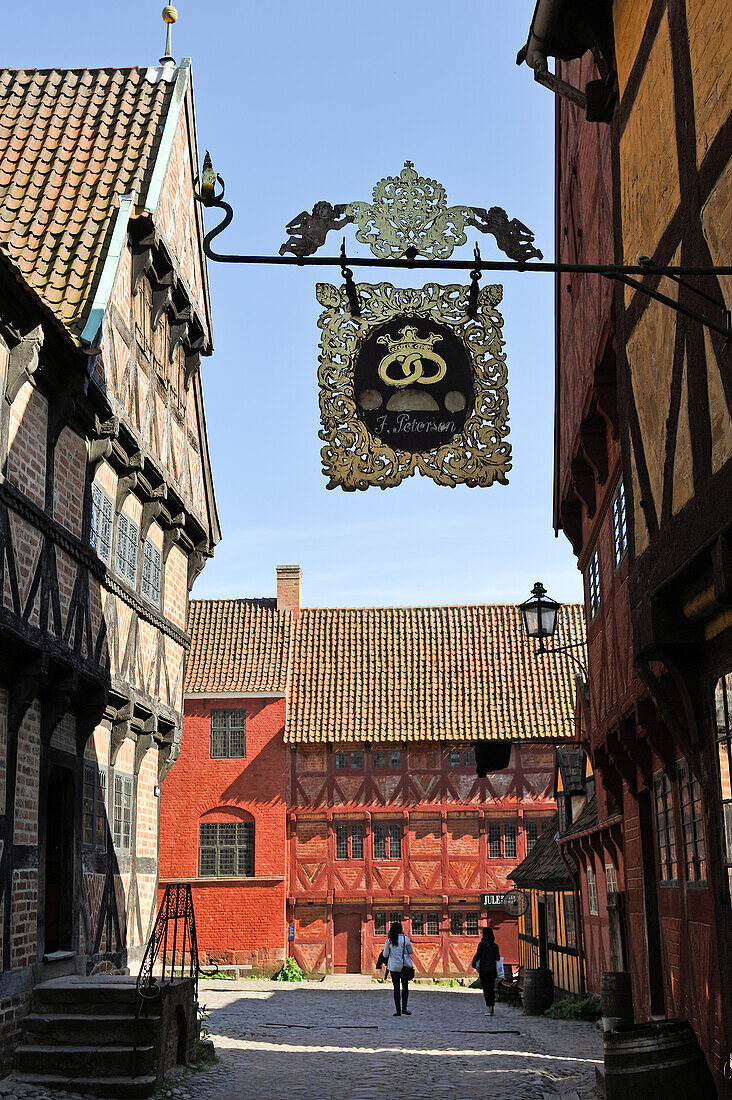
[409, 341]
[409, 353]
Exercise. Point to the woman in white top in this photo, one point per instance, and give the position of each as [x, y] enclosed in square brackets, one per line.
[397, 951]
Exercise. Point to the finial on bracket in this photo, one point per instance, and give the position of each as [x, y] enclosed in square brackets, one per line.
[170, 16]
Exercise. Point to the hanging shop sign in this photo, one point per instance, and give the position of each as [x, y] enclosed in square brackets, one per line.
[416, 382]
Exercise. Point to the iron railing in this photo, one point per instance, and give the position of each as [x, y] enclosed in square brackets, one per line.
[172, 949]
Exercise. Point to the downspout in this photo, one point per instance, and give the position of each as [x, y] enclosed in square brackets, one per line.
[578, 910]
[534, 52]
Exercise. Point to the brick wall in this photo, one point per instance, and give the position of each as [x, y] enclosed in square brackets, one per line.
[27, 443]
[237, 921]
[12, 1011]
[69, 480]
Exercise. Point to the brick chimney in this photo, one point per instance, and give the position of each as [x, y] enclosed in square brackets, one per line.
[289, 589]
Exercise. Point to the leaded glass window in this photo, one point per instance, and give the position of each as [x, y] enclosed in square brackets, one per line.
[551, 918]
[471, 924]
[456, 924]
[379, 760]
[95, 806]
[570, 922]
[509, 840]
[417, 924]
[341, 761]
[592, 891]
[349, 841]
[665, 828]
[102, 519]
[228, 734]
[692, 824]
[432, 924]
[387, 840]
[226, 848]
[620, 525]
[128, 537]
[593, 583]
[151, 573]
[122, 811]
[494, 839]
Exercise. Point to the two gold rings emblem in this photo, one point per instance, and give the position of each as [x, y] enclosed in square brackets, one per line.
[409, 354]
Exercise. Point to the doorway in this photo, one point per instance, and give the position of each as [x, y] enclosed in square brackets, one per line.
[543, 944]
[650, 898]
[347, 943]
[59, 861]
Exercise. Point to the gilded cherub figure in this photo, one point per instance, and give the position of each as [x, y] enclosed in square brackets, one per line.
[513, 237]
[308, 231]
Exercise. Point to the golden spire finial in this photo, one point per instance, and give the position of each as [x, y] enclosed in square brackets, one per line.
[170, 15]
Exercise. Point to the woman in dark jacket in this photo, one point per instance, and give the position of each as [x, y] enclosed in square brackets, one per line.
[485, 961]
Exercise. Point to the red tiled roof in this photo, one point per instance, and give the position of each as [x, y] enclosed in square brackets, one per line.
[428, 673]
[237, 645]
[72, 142]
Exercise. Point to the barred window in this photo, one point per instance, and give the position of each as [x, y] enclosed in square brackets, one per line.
[102, 519]
[395, 759]
[692, 824]
[533, 832]
[379, 759]
[494, 839]
[341, 761]
[454, 758]
[357, 760]
[417, 924]
[95, 806]
[432, 924]
[570, 922]
[509, 840]
[226, 848]
[456, 924]
[151, 572]
[387, 841]
[620, 525]
[593, 583]
[127, 539]
[551, 918]
[592, 891]
[228, 734]
[122, 811]
[379, 924]
[471, 924]
[665, 828]
[723, 707]
[469, 758]
[349, 841]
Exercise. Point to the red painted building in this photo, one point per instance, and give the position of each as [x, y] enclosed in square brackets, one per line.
[327, 782]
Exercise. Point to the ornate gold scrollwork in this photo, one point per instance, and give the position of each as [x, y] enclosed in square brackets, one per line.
[352, 457]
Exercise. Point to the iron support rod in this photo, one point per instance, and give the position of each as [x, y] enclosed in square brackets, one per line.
[622, 277]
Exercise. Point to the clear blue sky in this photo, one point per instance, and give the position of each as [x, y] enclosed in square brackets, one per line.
[305, 102]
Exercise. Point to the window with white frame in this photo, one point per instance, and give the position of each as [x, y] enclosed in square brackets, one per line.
[102, 519]
[95, 806]
[611, 879]
[151, 573]
[593, 584]
[128, 537]
[383, 922]
[620, 525]
[665, 828]
[533, 832]
[502, 839]
[122, 811]
[592, 891]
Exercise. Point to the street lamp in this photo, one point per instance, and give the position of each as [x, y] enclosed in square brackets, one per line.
[540, 621]
[540, 615]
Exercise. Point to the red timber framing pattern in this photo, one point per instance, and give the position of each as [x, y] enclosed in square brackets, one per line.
[106, 505]
[358, 776]
[643, 490]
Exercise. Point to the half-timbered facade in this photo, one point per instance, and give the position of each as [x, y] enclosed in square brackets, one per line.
[327, 781]
[106, 504]
[643, 485]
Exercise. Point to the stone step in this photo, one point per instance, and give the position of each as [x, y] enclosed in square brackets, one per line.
[90, 1030]
[85, 1061]
[133, 1087]
[91, 997]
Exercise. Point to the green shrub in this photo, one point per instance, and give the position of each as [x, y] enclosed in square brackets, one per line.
[575, 1008]
[290, 972]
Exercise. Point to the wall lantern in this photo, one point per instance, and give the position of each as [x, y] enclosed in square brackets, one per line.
[540, 615]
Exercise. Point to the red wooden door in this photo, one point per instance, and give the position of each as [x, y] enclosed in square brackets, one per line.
[347, 943]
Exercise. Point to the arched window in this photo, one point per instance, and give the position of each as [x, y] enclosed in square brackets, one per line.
[226, 848]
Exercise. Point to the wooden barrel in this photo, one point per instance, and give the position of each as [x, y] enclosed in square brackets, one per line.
[661, 1060]
[538, 992]
[616, 999]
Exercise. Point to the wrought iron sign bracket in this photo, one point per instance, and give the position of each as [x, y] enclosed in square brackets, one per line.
[624, 273]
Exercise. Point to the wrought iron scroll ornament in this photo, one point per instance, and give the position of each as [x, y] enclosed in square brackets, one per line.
[409, 216]
[355, 457]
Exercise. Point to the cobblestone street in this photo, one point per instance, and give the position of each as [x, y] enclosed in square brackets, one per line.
[322, 1042]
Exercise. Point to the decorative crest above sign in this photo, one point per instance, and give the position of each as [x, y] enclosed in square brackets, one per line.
[409, 216]
[416, 382]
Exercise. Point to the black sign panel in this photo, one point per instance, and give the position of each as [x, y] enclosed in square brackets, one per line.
[413, 384]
